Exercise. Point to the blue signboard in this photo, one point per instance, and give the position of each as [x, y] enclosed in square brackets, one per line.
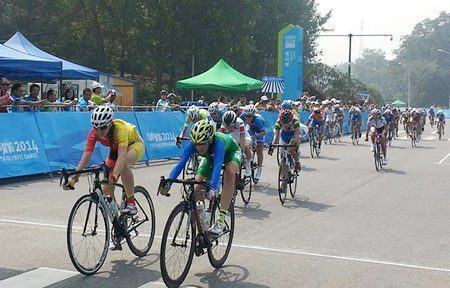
[21, 149]
[290, 60]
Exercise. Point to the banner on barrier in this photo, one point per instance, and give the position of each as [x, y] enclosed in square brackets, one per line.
[21, 149]
[159, 130]
[64, 136]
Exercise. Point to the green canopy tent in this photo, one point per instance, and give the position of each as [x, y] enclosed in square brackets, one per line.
[399, 103]
[220, 77]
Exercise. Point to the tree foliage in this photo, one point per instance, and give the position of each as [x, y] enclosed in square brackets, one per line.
[157, 39]
[419, 54]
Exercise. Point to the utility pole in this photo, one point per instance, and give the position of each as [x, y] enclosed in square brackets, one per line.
[350, 36]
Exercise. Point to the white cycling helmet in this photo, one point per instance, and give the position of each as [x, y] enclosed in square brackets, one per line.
[193, 112]
[229, 118]
[101, 116]
[249, 110]
[213, 108]
[202, 131]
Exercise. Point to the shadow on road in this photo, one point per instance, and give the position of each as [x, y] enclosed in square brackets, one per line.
[7, 273]
[308, 169]
[393, 171]
[424, 147]
[397, 147]
[305, 203]
[122, 274]
[328, 158]
[251, 211]
[228, 276]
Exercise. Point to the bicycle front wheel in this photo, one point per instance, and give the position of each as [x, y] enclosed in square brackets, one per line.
[141, 227]
[282, 183]
[88, 235]
[293, 184]
[220, 247]
[177, 246]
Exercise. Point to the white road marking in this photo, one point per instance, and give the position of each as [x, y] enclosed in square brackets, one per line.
[443, 159]
[434, 132]
[38, 278]
[43, 277]
[287, 251]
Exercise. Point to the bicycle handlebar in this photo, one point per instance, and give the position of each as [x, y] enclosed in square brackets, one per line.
[282, 145]
[65, 174]
[182, 139]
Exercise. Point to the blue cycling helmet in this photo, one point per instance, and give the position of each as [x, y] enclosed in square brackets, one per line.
[286, 104]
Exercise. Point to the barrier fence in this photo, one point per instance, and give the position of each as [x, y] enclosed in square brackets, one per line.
[34, 143]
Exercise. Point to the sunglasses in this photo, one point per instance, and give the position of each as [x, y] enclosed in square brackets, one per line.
[5, 84]
[102, 128]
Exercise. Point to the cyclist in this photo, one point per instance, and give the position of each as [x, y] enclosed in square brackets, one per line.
[355, 119]
[415, 121]
[440, 118]
[126, 147]
[316, 119]
[431, 115]
[288, 127]
[194, 114]
[405, 120]
[257, 129]
[339, 117]
[216, 111]
[396, 114]
[328, 112]
[376, 125]
[217, 149]
[236, 127]
[289, 104]
[389, 118]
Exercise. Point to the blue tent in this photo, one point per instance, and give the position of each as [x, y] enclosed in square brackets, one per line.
[20, 66]
[69, 70]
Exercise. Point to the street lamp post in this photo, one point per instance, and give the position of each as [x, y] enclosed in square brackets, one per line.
[409, 83]
[350, 36]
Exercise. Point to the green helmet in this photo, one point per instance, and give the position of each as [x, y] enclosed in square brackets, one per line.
[202, 131]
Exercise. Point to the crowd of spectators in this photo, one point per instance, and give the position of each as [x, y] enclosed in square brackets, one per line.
[14, 99]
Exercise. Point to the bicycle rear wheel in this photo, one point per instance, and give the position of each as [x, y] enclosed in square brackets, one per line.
[220, 247]
[88, 235]
[282, 183]
[312, 144]
[177, 246]
[141, 227]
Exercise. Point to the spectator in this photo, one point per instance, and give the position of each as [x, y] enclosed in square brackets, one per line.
[17, 93]
[33, 97]
[96, 94]
[112, 99]
[262, 104]
[243, 101]
[5, 97]
[85, 102]
[163, 104]
[68, 99]
[50, 99]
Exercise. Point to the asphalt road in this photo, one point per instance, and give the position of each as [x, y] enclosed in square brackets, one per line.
[349, 226]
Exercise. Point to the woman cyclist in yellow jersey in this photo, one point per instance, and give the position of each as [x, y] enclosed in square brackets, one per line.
[126, 147]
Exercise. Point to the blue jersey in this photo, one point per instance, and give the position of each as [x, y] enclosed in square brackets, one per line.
[355, 116]
[388, 117]
[431, 112]
[440, 116]
[256, 125]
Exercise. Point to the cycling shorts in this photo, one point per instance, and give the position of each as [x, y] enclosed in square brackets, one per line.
[113, 154]
[206, 166]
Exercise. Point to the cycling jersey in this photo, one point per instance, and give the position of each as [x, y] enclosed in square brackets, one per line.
[287, 130]
[378, 122]
[125, 135]
[202, 114]
[316, 119]
[355, 115]
[440, 117]
[388, 117]
[222, 150]
[431, 112]
[329, 114]
[256, 125]
[236, 130]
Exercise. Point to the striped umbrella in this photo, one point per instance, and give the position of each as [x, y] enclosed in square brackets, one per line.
[272, 85]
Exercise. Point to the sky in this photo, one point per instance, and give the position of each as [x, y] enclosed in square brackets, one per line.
[397, 17]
